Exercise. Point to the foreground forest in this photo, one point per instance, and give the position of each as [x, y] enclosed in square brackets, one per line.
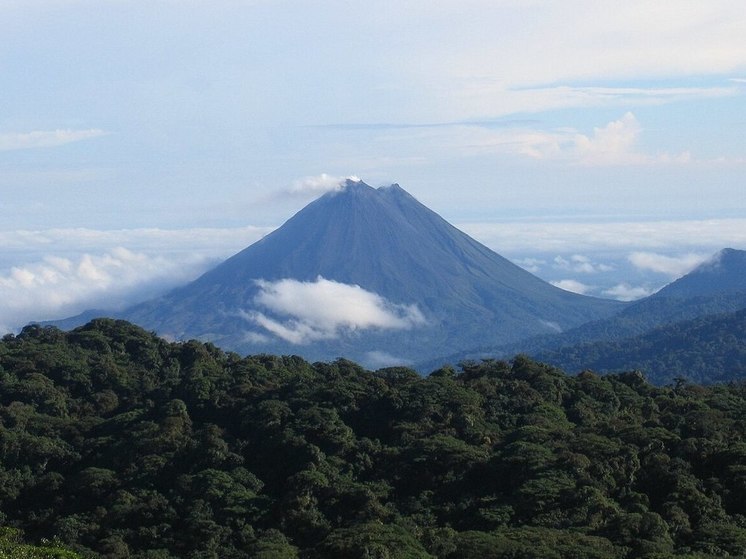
[115, 443]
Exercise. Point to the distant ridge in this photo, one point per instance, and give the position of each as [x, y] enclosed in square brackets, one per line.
[369, 274]
[712, 292]
[724, 273]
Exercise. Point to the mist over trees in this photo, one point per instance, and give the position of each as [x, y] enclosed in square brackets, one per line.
[116, 443]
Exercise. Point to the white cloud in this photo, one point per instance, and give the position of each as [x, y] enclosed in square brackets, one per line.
[581, 264]
[626, 292]
[563, 237]
[673, 266]
[44, 139]
[54, 273]
[530, 264]
[326, 309]
[613, 144]
[572, 285]
[56, 287]
[319, 184]
[524, 45]
[28, 245]
[378, 359]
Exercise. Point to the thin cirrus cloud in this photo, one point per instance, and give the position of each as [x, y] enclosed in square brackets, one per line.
[46, 138]
[516, 99]
[326, 309]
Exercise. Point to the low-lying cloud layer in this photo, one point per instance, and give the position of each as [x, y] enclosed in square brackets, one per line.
[46, 274]
[57, 287]
[672, 266]
[326, 309]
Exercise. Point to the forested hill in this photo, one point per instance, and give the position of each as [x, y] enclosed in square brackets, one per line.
[120, 444]
[707, 349]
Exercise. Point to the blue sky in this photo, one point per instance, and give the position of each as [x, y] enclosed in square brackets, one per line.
[600, 144]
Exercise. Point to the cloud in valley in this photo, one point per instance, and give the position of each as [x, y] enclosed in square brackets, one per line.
[326, 309]
[572, 285]
[626, 292]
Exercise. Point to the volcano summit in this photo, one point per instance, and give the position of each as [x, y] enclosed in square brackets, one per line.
[371, 275]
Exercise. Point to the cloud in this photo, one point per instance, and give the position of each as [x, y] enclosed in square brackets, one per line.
[53, 273]
[626, 292]
[56, 287]
[563, 237]
[672, 266]
[28, 245]
[326, 309]
[515, 99]
[45, 139]
[501, 66]
[530, 264]
[319, 184]
[580, 264]
[378, 359]
[613, 144]
[572, 285]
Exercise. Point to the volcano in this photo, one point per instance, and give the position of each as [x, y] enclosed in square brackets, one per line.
[371, 275]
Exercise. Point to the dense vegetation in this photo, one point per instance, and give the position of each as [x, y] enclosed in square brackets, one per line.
[116, 443]
[707, 349]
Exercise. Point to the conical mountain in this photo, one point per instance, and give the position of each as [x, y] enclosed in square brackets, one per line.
[369, 274]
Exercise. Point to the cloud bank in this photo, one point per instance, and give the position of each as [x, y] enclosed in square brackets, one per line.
[580, 264]
[326, 309]
[56, 287]
[672, 266]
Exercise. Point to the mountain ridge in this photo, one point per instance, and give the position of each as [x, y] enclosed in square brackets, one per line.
[715, 287]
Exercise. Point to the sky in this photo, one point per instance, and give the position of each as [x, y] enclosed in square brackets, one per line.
[598, 144]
